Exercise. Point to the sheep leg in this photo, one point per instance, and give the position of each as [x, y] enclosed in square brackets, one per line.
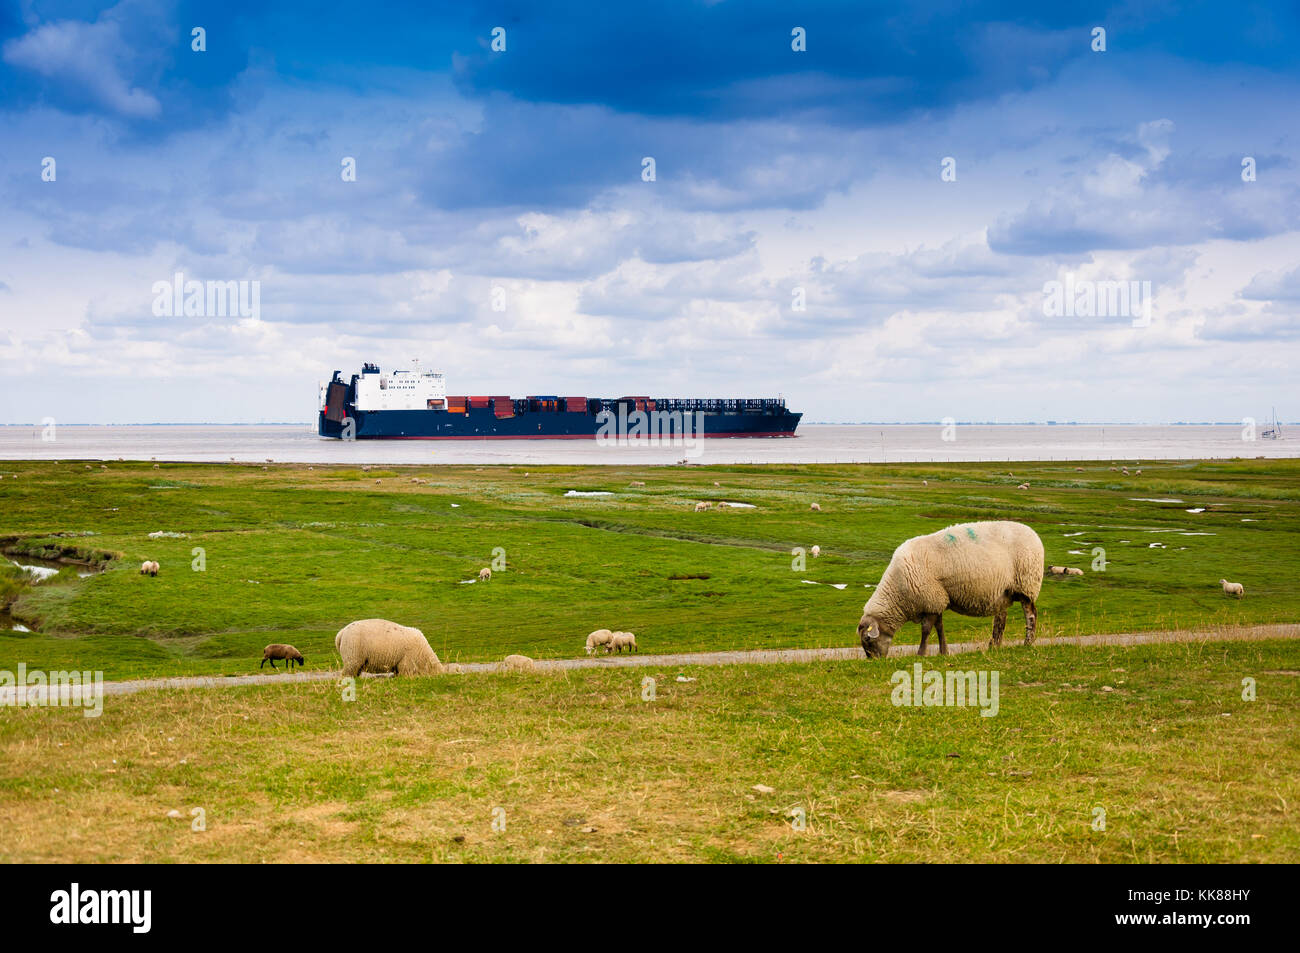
[272, 661]
[927, 624]
[943, 642]
[263, 663]
[999, 625]
[1031, 618]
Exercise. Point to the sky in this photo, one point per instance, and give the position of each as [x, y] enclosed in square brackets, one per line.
[865, 208]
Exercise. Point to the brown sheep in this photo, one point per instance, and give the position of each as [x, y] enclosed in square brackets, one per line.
[278, 650]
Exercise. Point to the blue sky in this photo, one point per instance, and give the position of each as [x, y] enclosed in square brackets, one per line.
[781, 175]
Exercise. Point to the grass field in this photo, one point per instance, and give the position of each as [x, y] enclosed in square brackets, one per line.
[584, 769]
[291, 554]
[581, 766]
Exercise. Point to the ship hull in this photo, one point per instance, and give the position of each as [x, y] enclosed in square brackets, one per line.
[483, 424]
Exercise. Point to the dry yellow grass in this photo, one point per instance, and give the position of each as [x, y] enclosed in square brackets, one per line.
[584, 769]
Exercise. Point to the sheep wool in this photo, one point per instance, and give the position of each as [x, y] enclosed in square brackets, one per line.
[378, 646]
[278, 650]
[601, 637]
[485, 574]
[623, 640]
[975, 569]
[519, 663]
[1232, 588]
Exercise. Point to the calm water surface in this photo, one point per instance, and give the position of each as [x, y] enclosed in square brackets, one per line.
[816, 443]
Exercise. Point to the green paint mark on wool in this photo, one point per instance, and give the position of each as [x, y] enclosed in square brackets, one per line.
[970, 532]
[950, 538]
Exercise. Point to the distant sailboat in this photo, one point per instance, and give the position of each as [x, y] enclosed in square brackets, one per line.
[1274, 432]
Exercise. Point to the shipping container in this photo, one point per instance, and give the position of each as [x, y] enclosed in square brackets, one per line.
[575, 405]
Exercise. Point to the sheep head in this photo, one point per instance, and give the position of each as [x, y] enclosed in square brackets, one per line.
[875, 637]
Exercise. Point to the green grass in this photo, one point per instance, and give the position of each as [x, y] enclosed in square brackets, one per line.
[1185, 769]
[293, 553]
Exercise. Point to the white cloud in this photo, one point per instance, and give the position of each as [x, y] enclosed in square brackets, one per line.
[89, 57]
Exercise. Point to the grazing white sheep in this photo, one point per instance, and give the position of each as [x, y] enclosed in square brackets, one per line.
[1073, 572]
[976, 569]
[621, 641]
[485, 574]
[1023, 486]
[599, 639]
[1232, 588]
[378, 645]
[518, 663]
[816, 550]
[149, 567]
[702, 506]
[1057, 570]
[637, 483]
[815, 507]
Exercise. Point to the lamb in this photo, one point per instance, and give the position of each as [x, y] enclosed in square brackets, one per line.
[149, 567]
[278, 650]
[599, 638]
[816, 550]
[378, 646]
[1232, 588]
[1023, 486]
[637, 483]
[485, 574]
[976, 569]
[1073, 572]
[702, 506]
[815, 507]
[621, 641]
[1057, 570]
[519, 663]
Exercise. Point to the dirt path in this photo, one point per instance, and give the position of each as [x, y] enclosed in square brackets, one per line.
[1255, 633]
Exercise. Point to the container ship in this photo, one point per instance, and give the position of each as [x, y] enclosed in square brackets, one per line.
[414, 405]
